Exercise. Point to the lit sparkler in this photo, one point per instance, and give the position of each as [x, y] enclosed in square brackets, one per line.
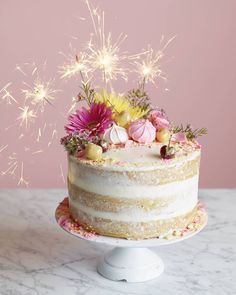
[149, 67]
[104, 53]
[40, 94]
[75, 64]
[26, 115]
[101, 55]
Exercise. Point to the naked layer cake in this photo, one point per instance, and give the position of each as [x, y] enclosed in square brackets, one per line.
[131, 172]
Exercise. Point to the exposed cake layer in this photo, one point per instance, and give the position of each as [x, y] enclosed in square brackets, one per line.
[134, 184]
[132, 230]
[127, 209]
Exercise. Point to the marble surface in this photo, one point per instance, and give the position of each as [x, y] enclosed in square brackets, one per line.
[37, 257]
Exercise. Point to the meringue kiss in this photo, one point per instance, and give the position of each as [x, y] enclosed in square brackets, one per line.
[142, 131]
[116, 135]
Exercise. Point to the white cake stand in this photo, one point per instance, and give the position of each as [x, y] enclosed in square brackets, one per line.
[129, 260]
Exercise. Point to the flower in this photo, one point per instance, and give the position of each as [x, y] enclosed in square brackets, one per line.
[142, 131]
[94, 120]
[158, 119]
[119, 103]
[179, 137]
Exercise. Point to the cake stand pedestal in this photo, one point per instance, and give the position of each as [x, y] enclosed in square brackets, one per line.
[129, 260]
[130, 265]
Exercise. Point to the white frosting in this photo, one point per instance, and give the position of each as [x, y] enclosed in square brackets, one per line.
[139, 158]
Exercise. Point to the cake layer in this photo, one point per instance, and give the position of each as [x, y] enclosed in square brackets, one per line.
[130, 209]
[132, 230]
[135, 184]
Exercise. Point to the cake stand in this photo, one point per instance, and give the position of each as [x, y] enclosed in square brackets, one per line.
[129, 260]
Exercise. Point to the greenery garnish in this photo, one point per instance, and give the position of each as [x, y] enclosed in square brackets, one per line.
[87, 93]
[75, 143]
[139, 98]
[189, 131]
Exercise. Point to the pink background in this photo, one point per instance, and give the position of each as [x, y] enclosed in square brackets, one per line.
[200, 65]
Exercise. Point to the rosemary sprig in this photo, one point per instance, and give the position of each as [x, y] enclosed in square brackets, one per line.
[189, 131]
[139, 98]
[87, 93]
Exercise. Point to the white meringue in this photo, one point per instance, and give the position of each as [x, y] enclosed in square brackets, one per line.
[116, 135]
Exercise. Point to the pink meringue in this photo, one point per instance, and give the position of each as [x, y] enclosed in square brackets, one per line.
[159, 119]
[142, 131]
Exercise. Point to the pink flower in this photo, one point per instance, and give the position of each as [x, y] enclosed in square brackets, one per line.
[159, 119]
[179, 137]
[94, 120]
[142, 131]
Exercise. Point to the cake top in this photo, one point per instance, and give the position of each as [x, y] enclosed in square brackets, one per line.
[140, 157]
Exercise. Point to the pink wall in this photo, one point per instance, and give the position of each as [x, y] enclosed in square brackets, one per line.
[201, 72]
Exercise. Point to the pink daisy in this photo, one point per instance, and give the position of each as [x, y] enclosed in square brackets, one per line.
[94, 120]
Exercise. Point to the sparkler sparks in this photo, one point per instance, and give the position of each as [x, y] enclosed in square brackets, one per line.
[3, 147]
[104, 53]
[101, 56]
[40, 94]
[149, 68]
[26, 115]
[107, 57]
[75, 64]
[12, 165]
[22, 181]
[7, 95]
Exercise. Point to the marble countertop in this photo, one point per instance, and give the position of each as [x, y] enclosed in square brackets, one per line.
[37, 257]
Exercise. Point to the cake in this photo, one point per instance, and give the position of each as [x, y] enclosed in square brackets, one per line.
[131, 172]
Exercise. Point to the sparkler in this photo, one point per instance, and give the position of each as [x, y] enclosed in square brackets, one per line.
[40, 94]
[26, 115]
[74, 65]
[101, 56]
[149, 68]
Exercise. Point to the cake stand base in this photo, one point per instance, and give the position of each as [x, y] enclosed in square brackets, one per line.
[130, 265]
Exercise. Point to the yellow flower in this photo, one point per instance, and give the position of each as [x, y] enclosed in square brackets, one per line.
[119, 103]
[138, 112]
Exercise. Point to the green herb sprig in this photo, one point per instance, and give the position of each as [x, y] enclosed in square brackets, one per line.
[189, 131]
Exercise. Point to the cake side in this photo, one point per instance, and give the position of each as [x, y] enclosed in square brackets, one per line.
[136, 200]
